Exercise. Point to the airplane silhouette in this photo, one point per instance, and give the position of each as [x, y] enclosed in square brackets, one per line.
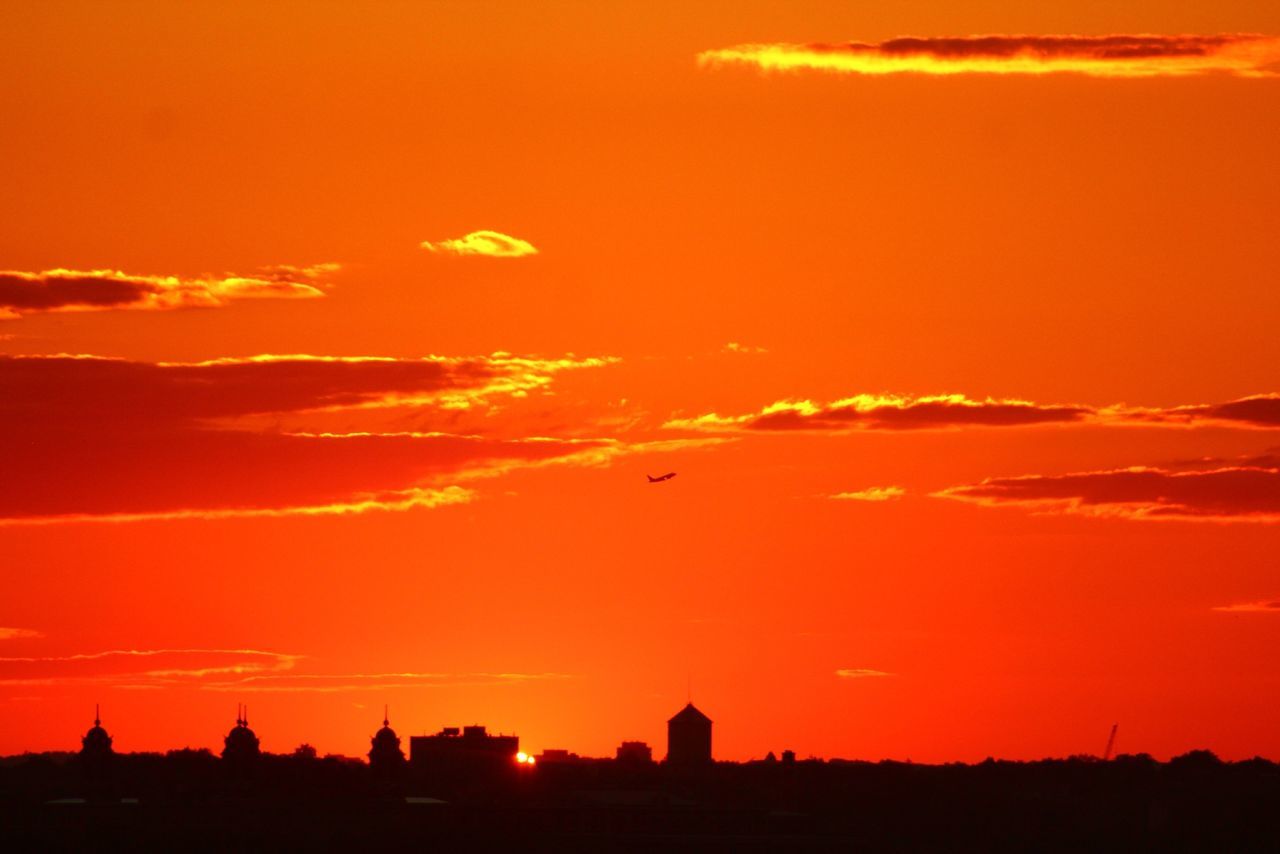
[661, 478]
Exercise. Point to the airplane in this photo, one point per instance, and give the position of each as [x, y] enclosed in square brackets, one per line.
[661, 478]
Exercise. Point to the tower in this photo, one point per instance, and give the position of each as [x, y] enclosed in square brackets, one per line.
[689, 738]
[385, 754]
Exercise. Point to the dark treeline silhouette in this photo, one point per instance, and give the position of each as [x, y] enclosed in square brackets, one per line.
[194, 799]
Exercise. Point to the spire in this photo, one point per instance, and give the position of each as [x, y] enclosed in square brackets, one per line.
[97, 716]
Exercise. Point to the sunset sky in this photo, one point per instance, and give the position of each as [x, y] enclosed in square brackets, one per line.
[337, 339]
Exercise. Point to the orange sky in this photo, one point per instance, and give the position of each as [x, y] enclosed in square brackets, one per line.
[1033, 314]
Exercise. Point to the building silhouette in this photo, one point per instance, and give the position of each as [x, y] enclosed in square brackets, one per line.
[464, 752]
[385, 754]
[95, 746]
[689, 738]
[634, 752]
[241, 744]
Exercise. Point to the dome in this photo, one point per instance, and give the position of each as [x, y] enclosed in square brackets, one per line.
[385, 751]
[96, 742]
[241, 743]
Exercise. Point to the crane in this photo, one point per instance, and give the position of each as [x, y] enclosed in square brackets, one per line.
[1111, 743]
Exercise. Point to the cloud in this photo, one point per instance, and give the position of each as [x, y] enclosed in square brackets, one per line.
[951, 411]
[99, 290]
[860, 673]
[888, 412]
[494, 244]
[874, 493]
[1239, 54]
[332, 683]
[227, 670]
[7, 633]
[1225, 494]
[124, 440]
[1260, 411]
[142, 667]
[735, 347]
[1264, 607]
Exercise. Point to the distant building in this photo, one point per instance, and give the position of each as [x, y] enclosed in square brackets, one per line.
[689, 738]
[557, 756]
[385, 754]
[96, 744]
[463, 751]
[241, 744]
[634, 752]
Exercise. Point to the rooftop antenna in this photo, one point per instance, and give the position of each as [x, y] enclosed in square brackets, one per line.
[97, 717]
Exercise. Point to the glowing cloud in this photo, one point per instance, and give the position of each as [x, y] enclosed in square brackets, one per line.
[100, 290]
[18, 634]
[874, 493]
[887, 412]
[227, 670]
[333, 683]
[951, 411]
[494, 244]
[860, 673]
[1226, 494]
[142, 667]
[1265, 607]
[1244, 55]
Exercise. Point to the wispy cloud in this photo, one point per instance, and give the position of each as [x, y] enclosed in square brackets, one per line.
[395, 501]
[736, 347]
[230, 670]
[1225, 494]
[142, 667]
[1239, 54]
[333, 683]
[873, 493]
[493, 244]
[1270, 606]
[99, 290]
[7, 633]
[860, 673]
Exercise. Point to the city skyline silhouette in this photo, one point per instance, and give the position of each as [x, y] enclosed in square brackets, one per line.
[727, 419]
